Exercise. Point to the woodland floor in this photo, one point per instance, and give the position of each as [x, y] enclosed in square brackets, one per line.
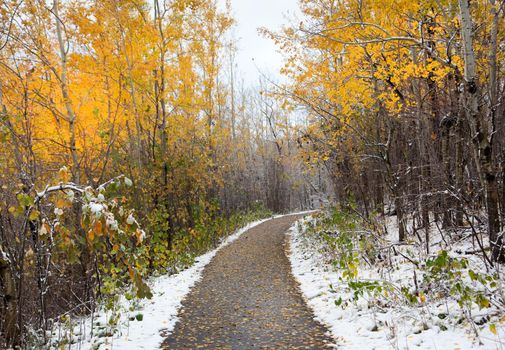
[248, 299]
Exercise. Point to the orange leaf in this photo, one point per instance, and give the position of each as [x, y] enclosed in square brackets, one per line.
[97, 227]
[62, 203]
[140, 236]
[64, 174]
[91, 235]
[422, 298]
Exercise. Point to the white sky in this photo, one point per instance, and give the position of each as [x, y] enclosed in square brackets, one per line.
[250, 15]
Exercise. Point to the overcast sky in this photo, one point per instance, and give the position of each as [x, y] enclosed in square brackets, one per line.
[250, 15]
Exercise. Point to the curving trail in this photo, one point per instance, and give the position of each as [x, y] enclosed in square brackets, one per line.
[248, 299]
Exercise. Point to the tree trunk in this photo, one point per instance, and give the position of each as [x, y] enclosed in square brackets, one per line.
[480, 134]
[71, 117]
[10, 328]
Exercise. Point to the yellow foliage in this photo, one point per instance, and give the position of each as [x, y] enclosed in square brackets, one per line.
[347, 61]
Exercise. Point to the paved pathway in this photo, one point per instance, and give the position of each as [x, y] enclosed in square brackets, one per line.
[248, 299]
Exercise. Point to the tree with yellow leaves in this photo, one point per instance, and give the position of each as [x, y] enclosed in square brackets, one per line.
[382, 83]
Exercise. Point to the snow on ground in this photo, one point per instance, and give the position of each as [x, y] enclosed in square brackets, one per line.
[142, 324]
[158, 314]
[358, 327]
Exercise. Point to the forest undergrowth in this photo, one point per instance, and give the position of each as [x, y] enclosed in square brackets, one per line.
[122, 305]
[413, 286]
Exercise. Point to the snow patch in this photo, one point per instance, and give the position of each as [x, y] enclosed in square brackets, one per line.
[96, 209]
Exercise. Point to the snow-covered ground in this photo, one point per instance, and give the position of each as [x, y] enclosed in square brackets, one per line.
[357, 326]
[141, 325]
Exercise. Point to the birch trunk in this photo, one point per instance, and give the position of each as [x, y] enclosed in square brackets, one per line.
[71, 117]
[480, 133]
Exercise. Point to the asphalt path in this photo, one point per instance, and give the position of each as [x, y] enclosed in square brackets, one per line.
[248, 299]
